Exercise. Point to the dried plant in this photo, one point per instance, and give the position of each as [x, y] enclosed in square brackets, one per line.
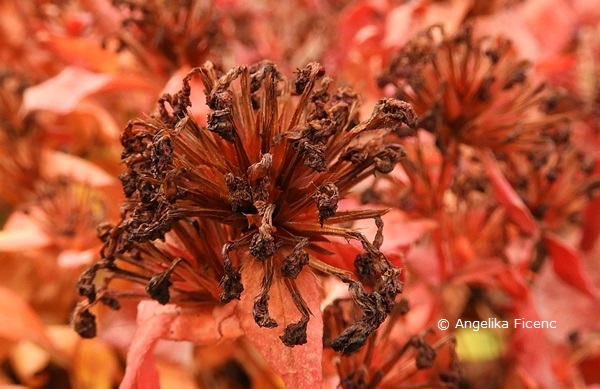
[261, 181]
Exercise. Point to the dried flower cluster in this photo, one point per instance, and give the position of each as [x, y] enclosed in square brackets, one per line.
[387, 361]
[262, 181]
[471, 91]
[19, 137]
[166, 38]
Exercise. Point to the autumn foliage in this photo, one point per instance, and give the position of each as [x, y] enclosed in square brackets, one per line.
[301, 194]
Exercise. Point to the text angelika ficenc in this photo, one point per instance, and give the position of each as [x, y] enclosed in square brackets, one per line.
[494, 323]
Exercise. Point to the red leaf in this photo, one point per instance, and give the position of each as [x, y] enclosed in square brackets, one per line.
[591, 226]
[513, 283]
[400, 231]
[506, 195]
[299, 365]
[481, 272]
[568, 265]
[356, 18]
[63, 92]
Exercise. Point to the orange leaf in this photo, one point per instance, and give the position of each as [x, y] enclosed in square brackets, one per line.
[506, 195]
[83, 52]
[299, 366]
[95, 366]
[568, 265]
[19, 321]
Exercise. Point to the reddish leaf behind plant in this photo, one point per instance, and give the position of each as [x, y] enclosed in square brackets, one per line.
[299, 366]
[568, 265]
[506, 195]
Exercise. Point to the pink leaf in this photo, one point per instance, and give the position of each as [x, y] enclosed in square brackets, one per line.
[72, 259]
[140, 371]
[204, 325]
[529, 345]
[64, 91]
[568, 265]
[424, 261]
[506, 195]
[57, 164]
[21, 232]
[559, 14]
[299, 366]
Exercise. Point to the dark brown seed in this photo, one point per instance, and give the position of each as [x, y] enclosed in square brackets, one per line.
[85, 324]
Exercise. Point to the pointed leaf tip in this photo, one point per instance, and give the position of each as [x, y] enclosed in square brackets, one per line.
[568, 264]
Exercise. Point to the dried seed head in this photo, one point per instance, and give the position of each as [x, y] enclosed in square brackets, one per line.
[459, 85]
[425, 353]
[557, 185]
[295, 261]
[295, 334]
[158, 286]
[20, 142]
[231, 285]
[245, 184]
[166, 36]
[327, 197]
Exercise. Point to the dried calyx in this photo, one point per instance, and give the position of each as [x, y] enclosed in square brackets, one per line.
[263, 179]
